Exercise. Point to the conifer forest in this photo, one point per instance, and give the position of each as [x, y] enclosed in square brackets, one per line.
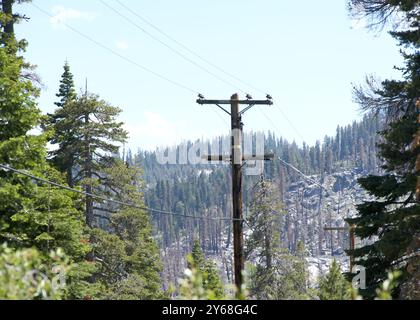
[89, 213]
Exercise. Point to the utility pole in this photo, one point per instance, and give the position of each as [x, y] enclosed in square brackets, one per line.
[416, 145]
[237, 159]
[352, 241]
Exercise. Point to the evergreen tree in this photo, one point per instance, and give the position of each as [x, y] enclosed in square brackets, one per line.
[63, 135]
[263, 245]
[212, 280]
[392, 219]
[293, 282]
[29, 275]
[198, 260]
[127, 253]
[206, 270]
[32, 214]
[8, 19]
[192, 287]
[27, 209]
[277, 274]
[66, 91]
[334, 286]
[94, 131]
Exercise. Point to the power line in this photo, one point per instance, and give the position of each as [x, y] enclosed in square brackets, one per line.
[173, 82]
[290, 122]
[168, 46]
[172, 49]
[155, 211]
[194, 53]
[97, 43]
[125, 58]
[236, 157]
[287, 119]
[155, 74]
[301, 173]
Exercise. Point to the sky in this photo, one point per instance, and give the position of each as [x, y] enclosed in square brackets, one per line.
[306, 54]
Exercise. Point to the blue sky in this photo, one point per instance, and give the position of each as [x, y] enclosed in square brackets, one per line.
[306, 54]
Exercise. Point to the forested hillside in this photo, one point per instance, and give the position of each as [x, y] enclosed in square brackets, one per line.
[204, 190]
[84, 218]
[56, 217]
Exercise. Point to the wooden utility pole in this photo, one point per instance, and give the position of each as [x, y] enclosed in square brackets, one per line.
[238, 241]
[415, 146]
[352, 240]
[237, 158]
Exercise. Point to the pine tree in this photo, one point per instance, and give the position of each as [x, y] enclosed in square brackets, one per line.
[206, 271]
[8, 19]
[94, 131]
[32, 214]
[334, 286]
[198, 260]
[66, 91]
[277, 274]
[63, 135]
[392, 219]
[212, 280]
[24, 205]
[127, 253]
[27, 274]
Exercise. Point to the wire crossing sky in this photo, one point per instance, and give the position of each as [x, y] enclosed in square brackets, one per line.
[142, 55]
[109, 200]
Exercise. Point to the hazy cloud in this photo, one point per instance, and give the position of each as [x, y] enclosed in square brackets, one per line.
[154, 130]
[63, 15]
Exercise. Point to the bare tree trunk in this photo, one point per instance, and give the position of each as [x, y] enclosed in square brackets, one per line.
[320, 226]
[88, 177]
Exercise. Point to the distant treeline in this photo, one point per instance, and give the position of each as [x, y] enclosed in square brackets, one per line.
[205, 190]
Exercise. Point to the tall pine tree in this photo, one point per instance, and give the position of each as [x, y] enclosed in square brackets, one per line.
[63, 158]
[276, 274]
[32, 214]
[66, 91]
[205, 270]
[94, 136]
[391, 222]
[334, 286]
[125, 248]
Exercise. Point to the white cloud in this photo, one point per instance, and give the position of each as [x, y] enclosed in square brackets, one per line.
[121, 45]
[156, 131]
[153, 131]
[62, 15]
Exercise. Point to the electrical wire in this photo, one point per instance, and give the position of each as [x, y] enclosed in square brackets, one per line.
[301, 173]
[97, 43]
[136, 14]
[163, 78]
[154, 211]
[194, 53]
[290, 122]
[175, 83]
[168, 46]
